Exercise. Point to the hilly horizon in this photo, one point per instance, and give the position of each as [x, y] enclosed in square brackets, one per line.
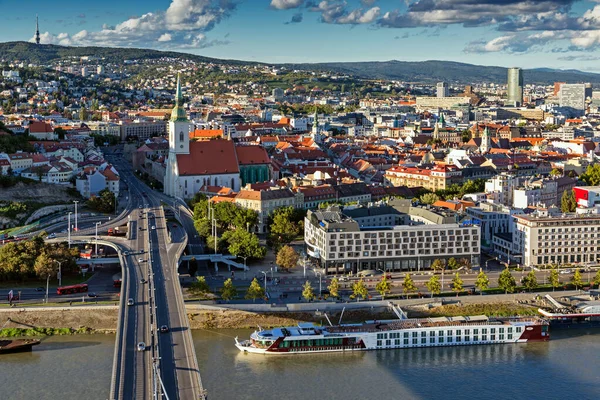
[428, 71]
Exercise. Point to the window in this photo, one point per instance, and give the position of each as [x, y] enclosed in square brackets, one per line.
[423, 340]
[379, 343]
[484, 338]
[181, 136]
[415, 341]
[458, 339]
[406, 341]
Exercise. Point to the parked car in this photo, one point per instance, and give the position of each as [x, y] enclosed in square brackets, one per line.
[565, 271]
[141, 346]
[140, 260]
[51, 236]
[142, 281]
[153, 227]
[130, 302]
[164, 329]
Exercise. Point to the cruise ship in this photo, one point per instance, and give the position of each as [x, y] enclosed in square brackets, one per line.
[395, 334]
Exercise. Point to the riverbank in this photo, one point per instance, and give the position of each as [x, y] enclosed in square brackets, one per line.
[104, 318]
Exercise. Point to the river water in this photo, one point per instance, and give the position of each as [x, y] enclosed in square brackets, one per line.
[566, 367]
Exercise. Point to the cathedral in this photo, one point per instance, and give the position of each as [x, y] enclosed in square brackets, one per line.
[193, 165]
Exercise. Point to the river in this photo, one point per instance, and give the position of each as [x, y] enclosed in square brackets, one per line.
[68, 367]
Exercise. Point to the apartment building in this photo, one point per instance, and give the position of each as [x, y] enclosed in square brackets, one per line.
[143, 130]
[549, 237]
[394, 237]
[436, 178]
[264, 202]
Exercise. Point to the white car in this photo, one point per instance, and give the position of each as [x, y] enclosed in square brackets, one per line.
[153, 227]
[140, 260]
[141, 346]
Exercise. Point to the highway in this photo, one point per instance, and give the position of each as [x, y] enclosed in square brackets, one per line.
[158, 302]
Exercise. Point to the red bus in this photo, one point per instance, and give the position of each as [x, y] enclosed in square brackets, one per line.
[82, 287]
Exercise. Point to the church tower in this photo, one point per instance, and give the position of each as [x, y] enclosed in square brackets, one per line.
[315, 127]
[486, 141]
[179, 126]
[37, 30]
[179, 143]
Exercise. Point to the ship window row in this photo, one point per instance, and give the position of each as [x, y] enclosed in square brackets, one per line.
[449, 332]
[313, 342]
[442, 340]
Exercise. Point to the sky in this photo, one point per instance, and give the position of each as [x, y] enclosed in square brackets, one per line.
[562, 34]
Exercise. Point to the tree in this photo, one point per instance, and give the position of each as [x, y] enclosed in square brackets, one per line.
[591, 176]
[334, 288]
[555, 172]
[45, 266]
[465, 262]
[408, 286]
[530, 281]
[452, 263]
[457, 284]
[434, 285]
[255, 291]
[576, 280]
[506, 281]
[200, 287]
[83, 114]
[568, 202]
[596, 280]
[228, 291]
[383, 287]
[283, 229]
[359, 289]
[466, 136]
[287, 258]
[482, 282]
[429, 198]
[104, 202]
[307, 291]
[438, 264]
[244, 244]
[554, 278]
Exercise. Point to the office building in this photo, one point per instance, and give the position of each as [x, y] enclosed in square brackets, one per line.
[515, 87]
[572, 97]
[393, 237]
[443, 90]
[549, 237]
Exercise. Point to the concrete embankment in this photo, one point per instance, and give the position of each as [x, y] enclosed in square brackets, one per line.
[103, 318]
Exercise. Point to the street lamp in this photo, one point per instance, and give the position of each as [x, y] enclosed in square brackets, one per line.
[304, 264]
[245, 267]
[75, 201]
[97, 223]
[69, 229]
[265, 274]
[59, 272]
[320, 275]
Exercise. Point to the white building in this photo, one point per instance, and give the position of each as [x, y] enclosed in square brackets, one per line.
[549, 237]
[391, 238]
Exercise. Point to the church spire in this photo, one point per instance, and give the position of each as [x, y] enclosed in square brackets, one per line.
[178, 113]
[37, 30]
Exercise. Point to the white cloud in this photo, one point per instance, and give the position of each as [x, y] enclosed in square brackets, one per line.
[165, 37]
[181, 25]
[286, 4]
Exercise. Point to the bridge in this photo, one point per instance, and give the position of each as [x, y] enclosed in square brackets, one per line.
[216, 258]
[167, 367]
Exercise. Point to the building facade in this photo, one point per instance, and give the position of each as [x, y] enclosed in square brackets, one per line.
[390, 238]
[515, 87]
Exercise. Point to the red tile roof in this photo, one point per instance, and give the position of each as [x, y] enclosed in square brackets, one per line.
[209, 158]
[40, 127]
[249, 155]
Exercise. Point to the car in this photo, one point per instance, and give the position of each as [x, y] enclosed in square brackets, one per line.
[92, 295]
[142, 280]
[39, 289]
[174, 225]
[130, 302]
[153, 227]
[164, 329]
[141, 229]
[140, 260]
[141, 346]
[565, 271]
[51, 236]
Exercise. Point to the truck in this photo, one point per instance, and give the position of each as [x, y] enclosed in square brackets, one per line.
[118, 231]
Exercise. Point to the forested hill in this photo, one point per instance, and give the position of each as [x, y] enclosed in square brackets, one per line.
[408, 71]
[449, 71]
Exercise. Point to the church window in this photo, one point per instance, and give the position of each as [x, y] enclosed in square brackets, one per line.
[181, 136]
[186, 184]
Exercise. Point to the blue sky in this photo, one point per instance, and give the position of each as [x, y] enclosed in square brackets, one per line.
[531, 33]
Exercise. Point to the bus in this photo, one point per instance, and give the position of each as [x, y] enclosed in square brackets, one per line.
[80, 288]
[117, 280]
